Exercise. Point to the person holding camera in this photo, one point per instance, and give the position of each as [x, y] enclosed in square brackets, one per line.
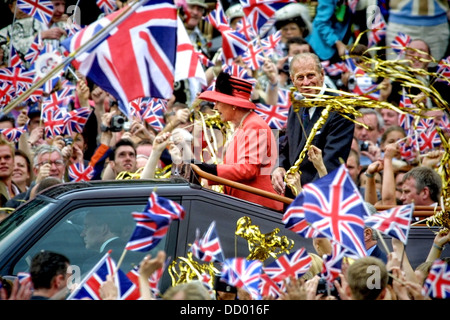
[369, 138]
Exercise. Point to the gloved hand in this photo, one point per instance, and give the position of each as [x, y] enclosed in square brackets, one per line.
[209, 168]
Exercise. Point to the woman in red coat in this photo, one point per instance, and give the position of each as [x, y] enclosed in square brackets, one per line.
[252, 151]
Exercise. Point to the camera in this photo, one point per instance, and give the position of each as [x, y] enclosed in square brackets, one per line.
[68, 141]
[322, 288]
[364, 146]
[351, 84]
[117, 123]
[285, 67]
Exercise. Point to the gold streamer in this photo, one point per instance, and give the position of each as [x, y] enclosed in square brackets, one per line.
[345, 103]
[183, 270]
[262, 246]
[126, 175]
[442, 218]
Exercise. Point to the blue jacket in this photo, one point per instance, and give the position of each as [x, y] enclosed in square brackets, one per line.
[326, 29]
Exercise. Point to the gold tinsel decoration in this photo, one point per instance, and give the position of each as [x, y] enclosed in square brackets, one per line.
[262, 246]
[442, 217]
[185, 269]
[398, 70]
[163, 173]
[344, 103]
[126, 175]
[210, 123]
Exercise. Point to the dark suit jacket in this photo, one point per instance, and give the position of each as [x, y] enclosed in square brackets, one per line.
[334, 138]
[378, 253]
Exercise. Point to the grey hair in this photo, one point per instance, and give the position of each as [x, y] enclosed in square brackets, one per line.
[43, 149]
[380, 119]
[306, 55]
[426, 177]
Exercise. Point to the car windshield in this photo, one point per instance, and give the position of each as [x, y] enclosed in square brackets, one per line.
[14, 221]
[83, 233]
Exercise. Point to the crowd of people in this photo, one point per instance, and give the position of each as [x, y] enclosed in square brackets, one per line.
[244, 148]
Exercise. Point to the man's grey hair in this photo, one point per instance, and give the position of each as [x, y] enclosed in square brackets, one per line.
[306, 55]
[426, 177]
[380, 119]
[43, 149]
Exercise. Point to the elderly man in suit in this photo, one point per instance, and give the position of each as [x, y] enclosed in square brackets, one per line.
[334, 138]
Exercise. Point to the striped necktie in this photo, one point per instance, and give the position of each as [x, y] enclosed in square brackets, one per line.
[305, 117]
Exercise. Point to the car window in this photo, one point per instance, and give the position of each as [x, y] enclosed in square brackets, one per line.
[87, 233]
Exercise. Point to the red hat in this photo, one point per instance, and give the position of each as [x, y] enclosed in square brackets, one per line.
[230, 90]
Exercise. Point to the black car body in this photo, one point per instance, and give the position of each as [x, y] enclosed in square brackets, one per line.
[54, 220]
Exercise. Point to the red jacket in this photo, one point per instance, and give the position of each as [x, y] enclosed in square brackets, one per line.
[249, 159]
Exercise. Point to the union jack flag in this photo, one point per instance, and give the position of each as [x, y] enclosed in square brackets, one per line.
[72, 27]
[78, 172]
[424, 124]
[133, 64]
[293, 264]
[332, 264]
[349, 62]
[217, 18]
[153, 114]
[294, 219]
[204, 60]
[270, 42]
[234, 44]
[243, 273]
[260, 13]
[444, 123]
[400, 42]
[254, 56]
[20, 78]
[268, 287]
[89, 287]
[153, 224]
[408, 148]
[14, 57]
[334, 206]
[34, 50]
[336, 69]
[246, 29]
[377, 30]
[437, 284]
[429, 139]
[76, 120]
[208, 248]
[365, 86]
[58, 99]
[6, 92]
[276, 116]
[41, 10]
[443, 70]
[107, 6]
[406, 120]
[394, 222]
[153, 280]
[12, 134]
[54, 121]
[137, 107]
[24, 277]
[236, 70]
